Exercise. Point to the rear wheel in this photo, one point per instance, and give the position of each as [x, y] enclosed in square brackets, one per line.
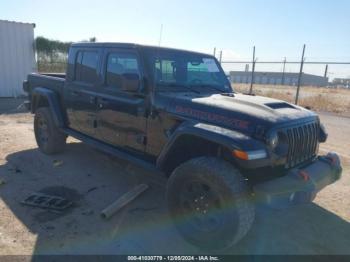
[49, 138]
[209, 203]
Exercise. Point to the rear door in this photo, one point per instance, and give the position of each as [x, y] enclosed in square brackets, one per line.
[80, 96]
[121, 115]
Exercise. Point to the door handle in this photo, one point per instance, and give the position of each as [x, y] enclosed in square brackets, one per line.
[102, 102]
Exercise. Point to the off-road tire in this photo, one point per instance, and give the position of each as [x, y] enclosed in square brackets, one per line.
[237, 212]
[54, 140]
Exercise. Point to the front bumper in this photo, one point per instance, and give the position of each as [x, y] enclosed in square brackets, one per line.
[300, 185]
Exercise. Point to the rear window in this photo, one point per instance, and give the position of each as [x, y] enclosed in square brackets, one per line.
[86, 66]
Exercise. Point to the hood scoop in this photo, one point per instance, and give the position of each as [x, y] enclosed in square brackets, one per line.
[228, 94]
[279, 105]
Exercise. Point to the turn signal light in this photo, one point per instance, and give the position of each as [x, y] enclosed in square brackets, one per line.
[240, 154]
[249, 155]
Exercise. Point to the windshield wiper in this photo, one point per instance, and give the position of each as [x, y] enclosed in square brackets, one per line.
[179, 85]
[210, 86]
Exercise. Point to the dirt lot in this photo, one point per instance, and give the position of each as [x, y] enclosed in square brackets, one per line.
[93, 180]
[335, 100]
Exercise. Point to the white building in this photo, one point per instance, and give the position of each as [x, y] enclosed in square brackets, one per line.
[17, 56]
[277, 78]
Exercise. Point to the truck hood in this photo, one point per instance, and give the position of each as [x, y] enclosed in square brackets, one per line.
[234, 111]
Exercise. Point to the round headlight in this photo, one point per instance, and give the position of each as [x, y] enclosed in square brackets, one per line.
[323, 135]
[273, 140]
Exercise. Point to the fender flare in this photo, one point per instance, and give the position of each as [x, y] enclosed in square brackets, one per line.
[53, 100]
[230, 139]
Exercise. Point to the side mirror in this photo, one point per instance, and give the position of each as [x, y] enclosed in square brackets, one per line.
[131, 82]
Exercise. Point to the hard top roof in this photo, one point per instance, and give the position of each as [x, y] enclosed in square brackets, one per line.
[128, 45]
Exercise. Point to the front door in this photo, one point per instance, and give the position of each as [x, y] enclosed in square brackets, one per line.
[121, 115]
[80, 93]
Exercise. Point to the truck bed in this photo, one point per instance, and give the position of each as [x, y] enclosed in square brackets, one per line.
[52, 81]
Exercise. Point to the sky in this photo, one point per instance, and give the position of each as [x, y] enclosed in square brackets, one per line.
[278, 28]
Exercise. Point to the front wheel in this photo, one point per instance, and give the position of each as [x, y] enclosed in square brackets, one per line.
[209, 203]
[49, 138]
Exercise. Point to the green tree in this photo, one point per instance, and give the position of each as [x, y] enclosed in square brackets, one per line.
[52, 54]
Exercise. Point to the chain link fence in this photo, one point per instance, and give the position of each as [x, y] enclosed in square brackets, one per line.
[318, 85]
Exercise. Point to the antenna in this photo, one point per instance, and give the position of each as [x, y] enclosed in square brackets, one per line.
[160, 34]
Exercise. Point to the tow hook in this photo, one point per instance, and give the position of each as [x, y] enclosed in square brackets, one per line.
[304, 175]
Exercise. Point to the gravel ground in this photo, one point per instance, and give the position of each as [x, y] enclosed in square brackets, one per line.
[94, 180]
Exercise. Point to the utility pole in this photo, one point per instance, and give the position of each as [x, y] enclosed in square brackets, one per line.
[326, 71]
[220, 56]
[214, 51]
[253, 69]
[300, 75]
[284, 70]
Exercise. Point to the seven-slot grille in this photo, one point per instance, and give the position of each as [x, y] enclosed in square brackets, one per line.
[303, 143]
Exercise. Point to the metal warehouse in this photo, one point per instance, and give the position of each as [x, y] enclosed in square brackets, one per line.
[277, 78]
[17, 56]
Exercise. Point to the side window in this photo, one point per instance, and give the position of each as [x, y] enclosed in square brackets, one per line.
[119, 64]
[165, 71]
[86, 66]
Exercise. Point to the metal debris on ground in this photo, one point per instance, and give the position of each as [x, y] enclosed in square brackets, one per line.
[47, 201]
[123, 200]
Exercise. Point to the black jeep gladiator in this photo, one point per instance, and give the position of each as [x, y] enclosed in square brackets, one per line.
[175, 111]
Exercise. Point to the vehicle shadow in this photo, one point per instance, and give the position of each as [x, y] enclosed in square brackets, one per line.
[92, 180]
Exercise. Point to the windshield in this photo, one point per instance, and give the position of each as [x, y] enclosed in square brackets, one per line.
[181, 70]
